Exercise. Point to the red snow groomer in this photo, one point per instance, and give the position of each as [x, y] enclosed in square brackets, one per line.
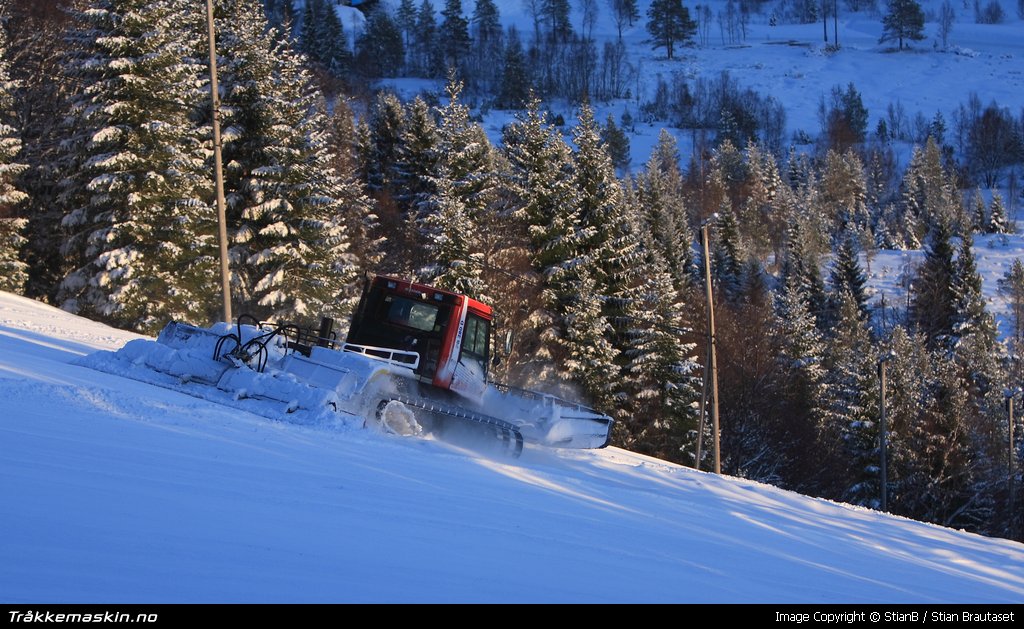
[415, 362]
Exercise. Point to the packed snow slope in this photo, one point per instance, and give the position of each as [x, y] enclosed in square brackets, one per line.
[112, 490]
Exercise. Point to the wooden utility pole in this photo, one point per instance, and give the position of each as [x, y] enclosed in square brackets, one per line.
[703, 407]
[218, 169]
[712, 362]
[1010, 467]
[882, 445]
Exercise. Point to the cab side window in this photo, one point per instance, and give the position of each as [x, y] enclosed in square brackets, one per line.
[475, 339]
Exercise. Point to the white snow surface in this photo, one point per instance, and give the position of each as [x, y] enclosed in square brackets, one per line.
[117, 491]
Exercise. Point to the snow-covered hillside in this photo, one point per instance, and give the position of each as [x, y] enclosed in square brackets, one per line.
[792, 63]
[116, 491]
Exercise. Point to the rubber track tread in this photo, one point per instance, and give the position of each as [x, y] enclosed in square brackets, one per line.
[507, 428]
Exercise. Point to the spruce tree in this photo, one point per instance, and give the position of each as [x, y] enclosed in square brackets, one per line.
[290, 210]
[905, 20]
[385, 124]
[590, 358]
[800, 270]
[933, 309]
[727, 256]
[486, 22]
[406, 19]
[416, 154]
[453, 35]
[514, 90]
[13, 270]
[843, 193]
[981, 223]
[929, 192]
[974, 328]
[908, 375]
[760, 211]
[804, 392]
[1011, 285]
[997, 222]
[463, 183]
[661, 369]
[142, 231]
[848, 439]
[539, 179]
[847, 277]
[426, 51]
[450, 232]
[660, 195]
[616, 142]
[669, 24]
[380, 50]
[486, 60]
[608, 243]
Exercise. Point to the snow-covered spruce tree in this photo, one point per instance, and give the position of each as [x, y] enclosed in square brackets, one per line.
[661, 369]
[800, 270]
[539, 178]
[426, 55]
[848, 438]
[933, 298]
[363, 224]
[997, 222]
[979, 218]
[843, 193]
[289, 208]
[728, 254]
[1011, 285]
[404, 159]
[35, 51]
[405, 17]
[385, 122]
[13, 271]
[942, 488]
[805, 396]
[465, 162]
[928, 192]
[847, 277]
[907, 391]
[141, 230]
[590, 358]
[760, 209]
[609, 240]
[450, 233]
[660, 197]
[974, 344]
[465, 150]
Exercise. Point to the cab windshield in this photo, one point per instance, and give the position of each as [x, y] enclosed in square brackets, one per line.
[411, 314]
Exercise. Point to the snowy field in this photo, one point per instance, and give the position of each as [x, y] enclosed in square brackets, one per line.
[114, 491]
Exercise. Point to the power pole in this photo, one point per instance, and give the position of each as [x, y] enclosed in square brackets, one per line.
[882, 445]
[712, 359]
[218, 168]
[703, 407]
[1010, 464]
